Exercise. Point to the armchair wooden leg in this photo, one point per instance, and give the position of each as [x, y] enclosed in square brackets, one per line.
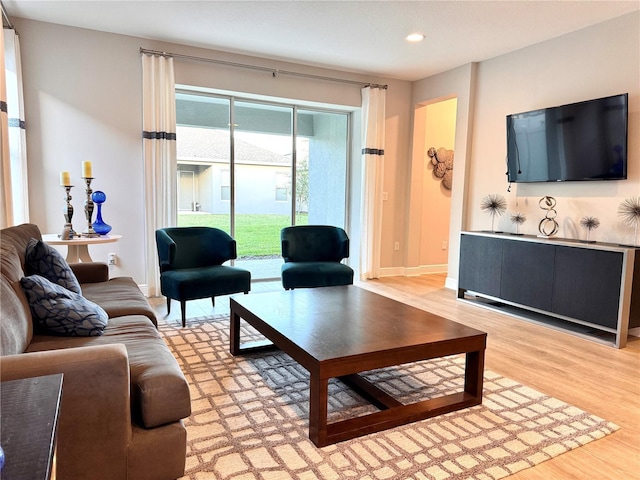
[213, 301]
[183, 309]
[168, 305]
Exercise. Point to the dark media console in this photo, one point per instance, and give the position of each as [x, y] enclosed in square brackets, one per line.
[591, 290]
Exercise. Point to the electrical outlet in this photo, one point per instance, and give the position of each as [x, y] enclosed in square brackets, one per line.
[385, 196]
[111, 259]
[396, 246]
[444, 244]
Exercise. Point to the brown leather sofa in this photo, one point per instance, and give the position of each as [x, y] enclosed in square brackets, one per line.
[123, 396]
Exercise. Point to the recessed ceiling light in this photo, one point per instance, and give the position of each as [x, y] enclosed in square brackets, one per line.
[415, 37]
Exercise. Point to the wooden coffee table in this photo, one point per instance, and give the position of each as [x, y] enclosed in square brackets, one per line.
[338, 332]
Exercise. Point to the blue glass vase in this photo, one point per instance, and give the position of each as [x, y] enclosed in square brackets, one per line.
[99, 226]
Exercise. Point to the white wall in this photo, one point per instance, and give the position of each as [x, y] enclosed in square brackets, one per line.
[458, 83]
[83, 102]
[596, 62]
[591, 63]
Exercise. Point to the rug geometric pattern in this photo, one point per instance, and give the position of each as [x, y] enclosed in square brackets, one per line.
[250, 419]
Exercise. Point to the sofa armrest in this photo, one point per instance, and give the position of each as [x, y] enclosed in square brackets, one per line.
[90, 272]
[95, 416]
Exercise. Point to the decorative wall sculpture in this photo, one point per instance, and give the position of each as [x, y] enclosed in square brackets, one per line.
[442, 161]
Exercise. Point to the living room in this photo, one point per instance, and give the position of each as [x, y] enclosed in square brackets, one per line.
[83, 101]
[86, 79]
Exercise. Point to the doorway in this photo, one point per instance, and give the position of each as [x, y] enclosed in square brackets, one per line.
[434, 162]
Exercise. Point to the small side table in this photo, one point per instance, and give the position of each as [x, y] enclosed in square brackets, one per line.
[29, 426]
[78, 247]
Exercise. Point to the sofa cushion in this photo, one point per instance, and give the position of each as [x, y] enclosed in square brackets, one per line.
[19, 236]
[17, 328]
[159, 391]
[119, 296]
[10, 265]
[44, 260]
[315, 274]
[62, 311]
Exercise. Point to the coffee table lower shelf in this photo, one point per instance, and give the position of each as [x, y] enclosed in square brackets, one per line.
[392, 412]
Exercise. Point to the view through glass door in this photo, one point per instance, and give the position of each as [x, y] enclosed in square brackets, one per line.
[252, 168]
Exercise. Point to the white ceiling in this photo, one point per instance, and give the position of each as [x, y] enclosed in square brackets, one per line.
[360, 36]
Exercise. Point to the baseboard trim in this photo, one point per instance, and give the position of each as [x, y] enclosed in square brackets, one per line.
[412, 271]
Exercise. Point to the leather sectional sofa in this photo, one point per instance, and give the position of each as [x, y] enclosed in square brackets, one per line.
[123, 396]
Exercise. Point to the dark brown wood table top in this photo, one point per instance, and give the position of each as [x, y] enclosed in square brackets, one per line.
[333, 324]
[29, 419]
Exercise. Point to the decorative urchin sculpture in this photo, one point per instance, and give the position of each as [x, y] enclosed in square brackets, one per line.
[518, 219]
[629, 212]
[589, 223]
[495, 204]
[442, 161]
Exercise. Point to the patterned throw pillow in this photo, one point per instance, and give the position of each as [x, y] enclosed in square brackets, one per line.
[44, 260]
[62, 311]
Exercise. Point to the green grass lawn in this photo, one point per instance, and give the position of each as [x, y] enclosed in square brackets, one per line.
[255, 235]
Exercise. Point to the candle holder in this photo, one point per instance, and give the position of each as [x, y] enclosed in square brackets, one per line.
[88, 210]
[68, 211]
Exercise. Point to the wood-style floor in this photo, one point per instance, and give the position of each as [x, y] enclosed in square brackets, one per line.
[597, 378]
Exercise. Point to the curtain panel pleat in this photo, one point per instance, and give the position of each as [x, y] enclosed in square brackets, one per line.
[6, 199]
[373, 117]
[159, 151]
[15, 193]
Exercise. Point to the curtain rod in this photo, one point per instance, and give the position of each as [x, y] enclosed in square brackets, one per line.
[274, 71]
[6, 17]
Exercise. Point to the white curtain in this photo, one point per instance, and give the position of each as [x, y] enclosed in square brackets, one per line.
[159, 150]
[15, 194]
[373, 116]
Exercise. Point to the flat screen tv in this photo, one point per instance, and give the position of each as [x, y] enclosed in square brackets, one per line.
[574, 142]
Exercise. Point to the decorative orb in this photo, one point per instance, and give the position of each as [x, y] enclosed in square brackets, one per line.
[98, 196]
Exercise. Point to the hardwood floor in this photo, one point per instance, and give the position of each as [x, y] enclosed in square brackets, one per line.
[602, 380]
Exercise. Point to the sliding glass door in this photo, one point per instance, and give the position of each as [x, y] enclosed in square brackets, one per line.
[252, 168]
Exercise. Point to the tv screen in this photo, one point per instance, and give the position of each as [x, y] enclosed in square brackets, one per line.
[578, 141]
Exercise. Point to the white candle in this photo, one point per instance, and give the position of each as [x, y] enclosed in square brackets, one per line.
[86, 170]
[65, 179]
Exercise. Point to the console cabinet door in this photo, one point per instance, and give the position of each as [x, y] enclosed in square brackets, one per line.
[527, 273]
[587, 285]
[480, 264]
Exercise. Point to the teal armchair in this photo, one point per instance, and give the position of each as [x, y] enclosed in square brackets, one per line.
[313, 256]
[191, 265]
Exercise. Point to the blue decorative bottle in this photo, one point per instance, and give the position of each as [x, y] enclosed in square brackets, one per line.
[99, 226]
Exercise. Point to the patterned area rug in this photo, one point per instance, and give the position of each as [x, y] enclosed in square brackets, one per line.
[250, 421]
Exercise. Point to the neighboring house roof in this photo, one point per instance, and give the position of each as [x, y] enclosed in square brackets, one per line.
[210, 145]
